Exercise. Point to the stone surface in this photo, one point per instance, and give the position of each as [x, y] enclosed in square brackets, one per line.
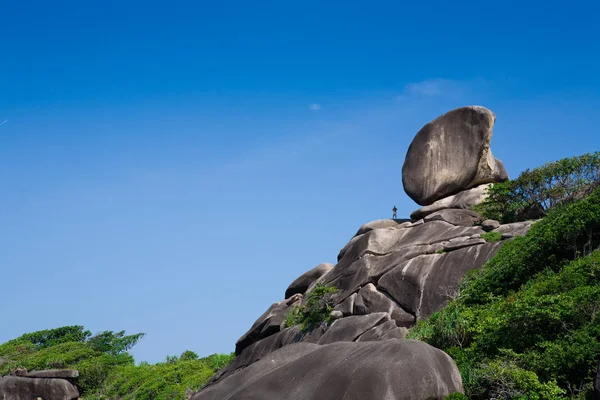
[336, 314]
[489, 225]
[384, 241]
[260, 349]
[350, 328]
[450, 154]
[387, 330]
[457, 217]
[301, 284]
[54, 373]
[374, 301]
[464, 242]
[266, 325]
[389, 369]
[271, 361]
[515, 229]
[346, 307]
[462, 200]
[423, 285]
[383, 223]
[20, 388]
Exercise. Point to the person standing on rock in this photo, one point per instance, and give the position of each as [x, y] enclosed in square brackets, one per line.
[394, 212]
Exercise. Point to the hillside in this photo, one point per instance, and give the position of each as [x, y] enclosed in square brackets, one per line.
[490, 290]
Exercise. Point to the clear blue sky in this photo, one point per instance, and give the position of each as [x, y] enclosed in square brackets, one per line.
[170, 167]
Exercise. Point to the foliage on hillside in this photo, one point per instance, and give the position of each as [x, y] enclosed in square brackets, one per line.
[527, 325]
[106, 368]
[537, 191]
[315, 311]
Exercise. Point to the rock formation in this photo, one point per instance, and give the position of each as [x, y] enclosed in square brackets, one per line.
[451, 154]
[390, 275]
[390, 369]
[47, 385]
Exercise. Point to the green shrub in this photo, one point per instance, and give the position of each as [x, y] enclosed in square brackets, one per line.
[456, 396]
[492, 236]
[537, 191]
[315, 310]
[527, 325]
[564, 234]
[162, 381]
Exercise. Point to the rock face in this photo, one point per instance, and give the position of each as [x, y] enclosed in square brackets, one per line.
[462, 200]
[389, 369]
[451, 154]
[302, 283]
[25, 388]
[390, 275]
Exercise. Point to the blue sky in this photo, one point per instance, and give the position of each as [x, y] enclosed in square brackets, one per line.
[171, 167]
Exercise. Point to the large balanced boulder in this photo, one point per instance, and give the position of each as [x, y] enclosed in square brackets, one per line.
[390, 369]
[451, 154]
[23, 388]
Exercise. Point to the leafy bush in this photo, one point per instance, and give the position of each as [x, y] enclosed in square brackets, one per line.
[492, 236]
[537, 191]
[456, 396]
[527, 325]
[106, 369]
[316, 309]
[564, 234]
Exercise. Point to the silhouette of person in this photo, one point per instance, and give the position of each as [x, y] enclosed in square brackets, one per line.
[394, 212]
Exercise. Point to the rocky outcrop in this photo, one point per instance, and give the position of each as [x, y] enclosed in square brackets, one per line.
[301, 284]
[391, 274]
[451, 154]
[462, 200]
[268, 323]
[388, 277]
[27, 388]
[389, 369]
[455, 217]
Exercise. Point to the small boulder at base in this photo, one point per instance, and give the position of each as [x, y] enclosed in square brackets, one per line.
[20, 388]
[450, 154]
[54, 373]
[301, 284]
[489, 225]
[391, 369]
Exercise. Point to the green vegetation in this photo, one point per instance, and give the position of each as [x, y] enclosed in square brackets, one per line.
[106, 368]
[492, 236]
[315, 311]
[527, 325]
[537, 191]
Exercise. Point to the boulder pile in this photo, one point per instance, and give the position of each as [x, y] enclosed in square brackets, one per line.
[53, 384]
[390, 275]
